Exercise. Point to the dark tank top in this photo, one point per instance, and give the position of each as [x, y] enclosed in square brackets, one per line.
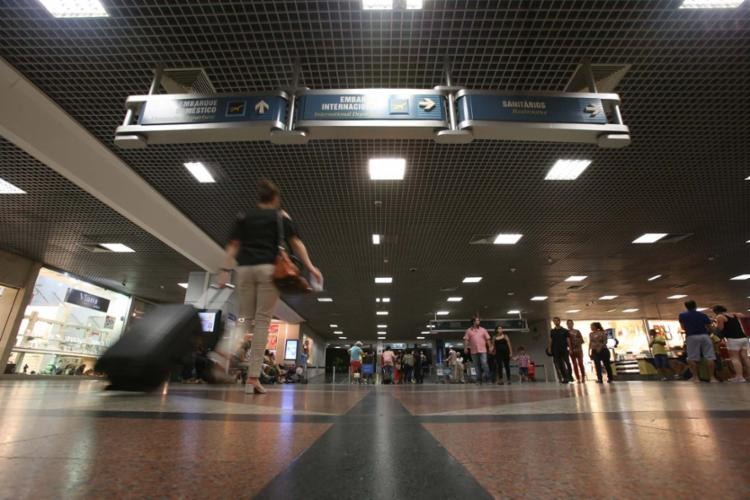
[732, 328]
[501, 346]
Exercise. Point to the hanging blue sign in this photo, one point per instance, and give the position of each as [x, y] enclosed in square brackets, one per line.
[170, 110]
[530, 108]
[371, 105]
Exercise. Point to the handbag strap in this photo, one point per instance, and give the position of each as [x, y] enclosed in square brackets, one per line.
[280, 229]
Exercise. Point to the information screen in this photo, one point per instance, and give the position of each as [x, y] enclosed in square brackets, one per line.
[209, 320]
[291, 349]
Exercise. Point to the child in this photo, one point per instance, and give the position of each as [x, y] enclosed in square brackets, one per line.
[523, 361]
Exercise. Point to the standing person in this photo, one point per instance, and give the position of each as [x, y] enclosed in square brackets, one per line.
[523, 361]
[388, 359]
[576, 351]
[699, 345]
[599, 352]
[254, 245]
[559, 344]
[503, 349]
[729, 327]
[408, 366]
[658, 345]
[477, 340]
[419, 360]
[355, 361]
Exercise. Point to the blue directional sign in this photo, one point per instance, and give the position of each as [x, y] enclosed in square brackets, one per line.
[168, 110]
[376, 105]
[530, 108]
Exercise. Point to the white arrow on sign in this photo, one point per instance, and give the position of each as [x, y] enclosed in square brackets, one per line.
[427, 104]
[592, 109]
[261, 107]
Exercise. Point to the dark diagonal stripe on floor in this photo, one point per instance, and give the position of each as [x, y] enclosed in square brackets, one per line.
[376, 450]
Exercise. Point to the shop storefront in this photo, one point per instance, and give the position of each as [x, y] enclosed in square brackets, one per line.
[68, 324]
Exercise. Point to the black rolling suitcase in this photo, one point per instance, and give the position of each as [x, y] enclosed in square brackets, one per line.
[143, 357]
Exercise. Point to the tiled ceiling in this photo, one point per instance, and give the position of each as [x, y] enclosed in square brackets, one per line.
[686, 99]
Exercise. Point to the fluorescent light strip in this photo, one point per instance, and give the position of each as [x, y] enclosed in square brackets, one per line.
[200, 172]
[567, 170]
[382, 313]
[387, 169]
[382, 333]
[455, 299]
[654, 277]
[507, 239]
[8, 188]
[338, 332]
[539, 298]
[183, 285]
[649, 238]
[74, 8]
[117, 247]
[576, 278]
[420, 338]
[382, 326]
[677, 297]
[740, 277]
[377, 4]
[376, 239]
[632, 310]
[608, 297]
[472, 279]
[325, 299]
[514, 311]
[414, 4]
[711, 4]
[443, 313]
[573, 311]
[383, 280]
[334, 326]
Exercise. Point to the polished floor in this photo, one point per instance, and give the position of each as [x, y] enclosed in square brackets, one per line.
[70, 439]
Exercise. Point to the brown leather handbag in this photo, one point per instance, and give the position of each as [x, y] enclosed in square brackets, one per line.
[287, 274]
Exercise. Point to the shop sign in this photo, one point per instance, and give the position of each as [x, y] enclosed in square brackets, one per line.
[83, 299]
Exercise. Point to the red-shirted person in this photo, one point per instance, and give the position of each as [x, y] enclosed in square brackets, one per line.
[477, 341]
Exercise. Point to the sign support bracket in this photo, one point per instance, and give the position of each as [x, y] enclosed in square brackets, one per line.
[289, 135]
[451, 135]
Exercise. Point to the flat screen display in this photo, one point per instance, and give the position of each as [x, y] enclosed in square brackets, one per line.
[209, 320]
[291, 349]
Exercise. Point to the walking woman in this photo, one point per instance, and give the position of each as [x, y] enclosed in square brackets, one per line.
[599, 352]
[253, 247]
[576, 351]
[503, 348]
[729, 328]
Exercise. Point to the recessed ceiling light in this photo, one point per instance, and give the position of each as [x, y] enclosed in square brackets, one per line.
[325, 299]
[539, 298]
[382, 313]
[573, 311]
[377, 4]
[334, 326]
[8, 188]
[426, 332]
[455, 299]
[507, 239]
[608, 297]
[433, 326]
[420, 338]
[200, 172]
[75, 8]
[576, 278]
[183, 285]
[376, 239]
[676, 297]
[338, 332]
[342, 338]
[611, 310]
[387, 169]
[381, 338]
[414, 4]
[649, 238]
[654, 277]
[632, 310]
[443, 313]
[382, 333]
[382, 326]
[383, 280]
[514, 311]
[567, 170]
[740, 277]
[117, 247]
[386, 299]
[472, 279]
[710, 4]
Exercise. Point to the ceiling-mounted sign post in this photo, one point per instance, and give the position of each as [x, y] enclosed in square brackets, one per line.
[557, 117]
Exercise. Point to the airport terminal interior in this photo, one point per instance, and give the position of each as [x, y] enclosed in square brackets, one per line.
[374, 249]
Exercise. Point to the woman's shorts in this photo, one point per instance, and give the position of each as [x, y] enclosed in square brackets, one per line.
[737, 344]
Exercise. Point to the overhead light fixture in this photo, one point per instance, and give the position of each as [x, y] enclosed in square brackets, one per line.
[433, 326]
[455, 299]
[8, 188]
[654, 277]
[514, 311]
[342, 338]
[414, 4]
[200, 172]
[338, 332]
[507, 239]
[382, 326]
[539, 298]
[611, 310]
[711, 4]
[567, 170]
[387, 169]
[334, 326]
[383, 280]
[649, 238]
[573, 311]
[608, 297]
[677, 296]
[117, 247]
[443, 313]
[701, 309]
[427, 332]
[377, 4]
[386, 299]
[382, 333]
[472, 279]
[632, 310]
[420, 338]
[325, 299]
[740, 277]
[183, 285]
[382, 313]
[381, 338]
[75, 8]
[576, 278]
[376, 239]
